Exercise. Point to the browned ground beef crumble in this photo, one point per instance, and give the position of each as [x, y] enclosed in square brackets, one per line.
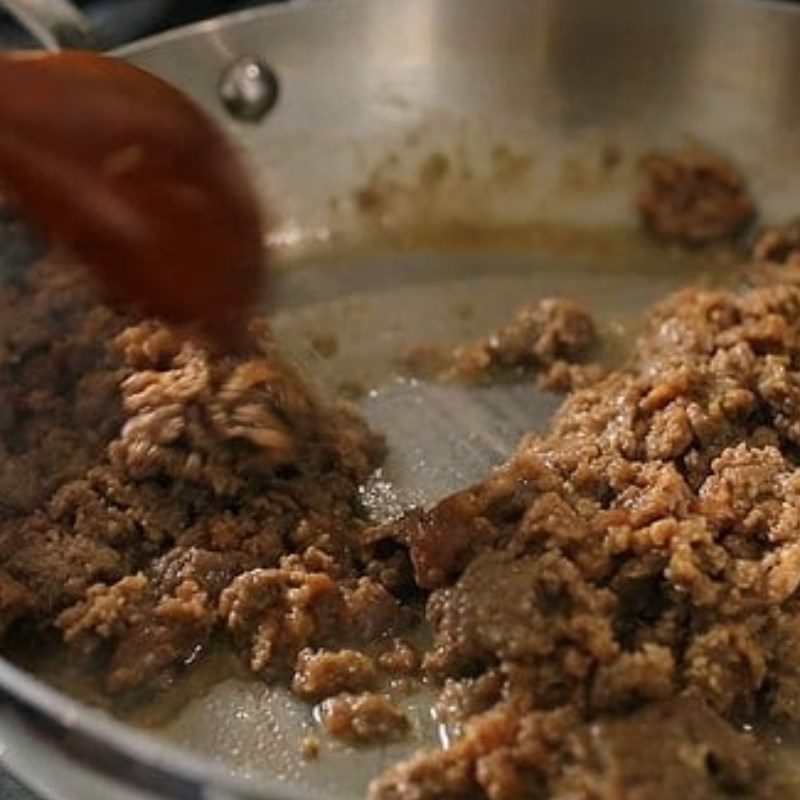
[363, 717]
[170, 495]
[323, 673]
[778, 245]
[776, 256]
[608, 607]
[642, 557]
[694, 198]
[549, 338]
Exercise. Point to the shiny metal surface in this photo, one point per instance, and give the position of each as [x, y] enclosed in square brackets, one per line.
[248, 89]
[552, 81]
[404, 126]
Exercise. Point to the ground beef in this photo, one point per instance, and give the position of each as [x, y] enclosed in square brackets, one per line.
[694, 198]
[644, 551]
[695, 754]
[196, 494]
[607, 608]
[151, 631]
[58, 383]
[675, 748]
[398, 657]
[776, 256]
[562, 376]
[546, 336]
[460, 700]
[779, 245]
[363, 717]
[540, 334]
[545, 630]
[273, 614]
[503, 753]
[324, 673]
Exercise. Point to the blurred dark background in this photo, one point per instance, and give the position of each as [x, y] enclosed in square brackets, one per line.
[124, 20]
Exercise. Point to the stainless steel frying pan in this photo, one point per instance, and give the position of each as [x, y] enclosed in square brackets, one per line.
[430, 164]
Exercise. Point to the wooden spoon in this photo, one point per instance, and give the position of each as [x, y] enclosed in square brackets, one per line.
[135, 180]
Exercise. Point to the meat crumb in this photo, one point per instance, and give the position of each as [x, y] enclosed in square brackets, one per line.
[321, 674]
[564, 377]
[310, 748]
[399, 657]
[694, 198]
[539, 334]
[363, 718]
[549, 337]
[776, 256]
[779, 244]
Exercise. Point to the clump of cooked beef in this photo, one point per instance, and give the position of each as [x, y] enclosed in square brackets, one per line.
[323, 673]
[775, 256]
[779, 245]
[694, 198]
[548, 337]
[646, 549]
[540, 334]
[205, 494]
[668, 749]
[58, 382]
[398, 657]
[367, 717]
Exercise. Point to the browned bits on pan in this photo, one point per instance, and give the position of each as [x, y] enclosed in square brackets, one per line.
[423, 359]
[694, 198]
[325, 344]
[310, 748]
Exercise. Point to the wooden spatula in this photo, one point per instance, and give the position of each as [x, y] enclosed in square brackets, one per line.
[135, 180]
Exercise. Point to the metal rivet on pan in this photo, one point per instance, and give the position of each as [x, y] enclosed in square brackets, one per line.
[248, 89]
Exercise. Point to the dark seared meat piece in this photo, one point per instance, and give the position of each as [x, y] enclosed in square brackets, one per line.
[694, 198]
